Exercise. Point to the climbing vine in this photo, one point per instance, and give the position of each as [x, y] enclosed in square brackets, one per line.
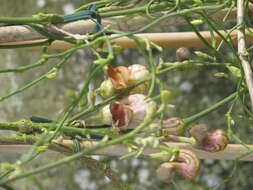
[131, 106]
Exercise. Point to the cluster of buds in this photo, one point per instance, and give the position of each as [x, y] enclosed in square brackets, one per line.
[122, 77]
[212, 141]
[186, 164]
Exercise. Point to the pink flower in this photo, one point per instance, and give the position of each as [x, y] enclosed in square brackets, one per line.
[173, 126]
[186, 164]
[129, 112]
[213, 141]
[119, 76]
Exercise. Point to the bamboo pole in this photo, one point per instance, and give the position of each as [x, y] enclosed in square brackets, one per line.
[232, 151]
[242, 51]
[165, 40]
[19, 33]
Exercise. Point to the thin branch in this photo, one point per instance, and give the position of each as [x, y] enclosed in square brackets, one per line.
[243, 54]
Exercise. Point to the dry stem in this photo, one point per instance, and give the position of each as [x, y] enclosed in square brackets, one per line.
[243, 54]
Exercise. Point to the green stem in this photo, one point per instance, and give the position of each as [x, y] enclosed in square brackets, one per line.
[203, 113]
[27, 126]
[33, 44]
[34, 82]
[101, 145]
[24, 68]
[26, 20]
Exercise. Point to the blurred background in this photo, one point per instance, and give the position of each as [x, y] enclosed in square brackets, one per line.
[194, 89]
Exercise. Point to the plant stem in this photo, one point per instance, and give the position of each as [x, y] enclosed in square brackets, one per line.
[101, 145]
[242, 51]
[34, 82]
[203, 113]
[26, 125]
[24, 68]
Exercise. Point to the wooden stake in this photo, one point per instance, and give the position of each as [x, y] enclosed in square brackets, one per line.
[165, 40]
[232, 152]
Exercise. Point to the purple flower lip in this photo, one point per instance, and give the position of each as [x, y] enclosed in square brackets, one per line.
[186, 164]
[212, 141]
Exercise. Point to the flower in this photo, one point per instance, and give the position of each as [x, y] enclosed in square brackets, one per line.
[128, 112]
[212, 141]
[121, 114]
[173, 126]
[119, 76]
[186, 164]
[123, 77]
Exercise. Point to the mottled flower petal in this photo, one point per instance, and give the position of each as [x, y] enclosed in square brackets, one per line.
[119, 76]
[121, 114]
[173, 126]
[199, 132]
[213, 141]
[186, 164]
[137, 72]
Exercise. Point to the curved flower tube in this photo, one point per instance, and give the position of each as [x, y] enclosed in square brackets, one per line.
[186, 164]
[212, 141]
[173, 126]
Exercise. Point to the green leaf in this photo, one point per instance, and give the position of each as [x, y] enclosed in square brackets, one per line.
[166, 96]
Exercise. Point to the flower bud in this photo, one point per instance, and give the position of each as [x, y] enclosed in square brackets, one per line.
[106, 90]
[173, 126]
[186, 164]
[213, 141]
[182, 54]
[106, 115]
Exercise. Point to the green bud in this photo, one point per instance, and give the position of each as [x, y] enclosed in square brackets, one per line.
[235, 71]
[197, 22]
[52, 74]
[106, 90]
[166, 96]
[204, 55]
[41, 148]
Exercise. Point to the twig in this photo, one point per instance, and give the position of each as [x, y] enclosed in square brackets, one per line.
[243, 54]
